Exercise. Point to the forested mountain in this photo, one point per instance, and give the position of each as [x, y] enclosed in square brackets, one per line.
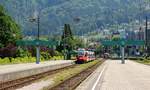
[83, 15]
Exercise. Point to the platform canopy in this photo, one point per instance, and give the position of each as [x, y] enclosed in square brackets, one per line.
[37, 43]
[123, 42]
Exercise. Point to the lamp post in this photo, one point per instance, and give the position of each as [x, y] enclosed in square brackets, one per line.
[36, 18]
[38, 47]
[146, 27]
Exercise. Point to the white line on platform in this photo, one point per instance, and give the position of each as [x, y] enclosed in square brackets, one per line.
[99, 77]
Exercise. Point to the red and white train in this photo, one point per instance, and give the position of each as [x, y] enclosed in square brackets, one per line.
[85, 56]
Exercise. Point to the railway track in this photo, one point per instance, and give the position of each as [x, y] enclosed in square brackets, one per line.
[73, 82]
[14, 84]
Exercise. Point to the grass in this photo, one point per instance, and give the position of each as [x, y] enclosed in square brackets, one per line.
[141, 60]
[136, 58]
[20, 60]
[145, 61]
[65, 74]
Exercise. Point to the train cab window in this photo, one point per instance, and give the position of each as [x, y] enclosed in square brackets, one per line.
[80, 53]
[86, 54]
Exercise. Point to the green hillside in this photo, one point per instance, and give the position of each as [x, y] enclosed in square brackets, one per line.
[83, 15]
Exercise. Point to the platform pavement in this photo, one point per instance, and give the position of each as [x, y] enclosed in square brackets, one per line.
[15, 71]
[116, 76]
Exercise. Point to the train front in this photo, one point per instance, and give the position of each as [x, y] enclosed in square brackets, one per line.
[82, 56]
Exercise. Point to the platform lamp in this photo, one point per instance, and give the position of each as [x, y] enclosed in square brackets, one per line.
[36, 18]
[146, 41]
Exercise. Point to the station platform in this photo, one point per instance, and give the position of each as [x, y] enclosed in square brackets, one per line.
[16, 71]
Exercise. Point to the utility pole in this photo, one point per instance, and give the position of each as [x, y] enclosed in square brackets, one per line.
[38, 38]
[146, 27]
[37, 20]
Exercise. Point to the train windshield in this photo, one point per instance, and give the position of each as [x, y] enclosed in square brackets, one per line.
[80, 53]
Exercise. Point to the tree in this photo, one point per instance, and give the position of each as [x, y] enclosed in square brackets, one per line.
[115, 38]
[67, 37]
[67, 32]
[67, 40]
[9, 30]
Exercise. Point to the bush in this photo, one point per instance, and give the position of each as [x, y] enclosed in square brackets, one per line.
[32, 50]
[17, 60]
[9, 51]
[57, 53]
[23, 53]
[45, 55]
[57, 58]
[4, 60]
